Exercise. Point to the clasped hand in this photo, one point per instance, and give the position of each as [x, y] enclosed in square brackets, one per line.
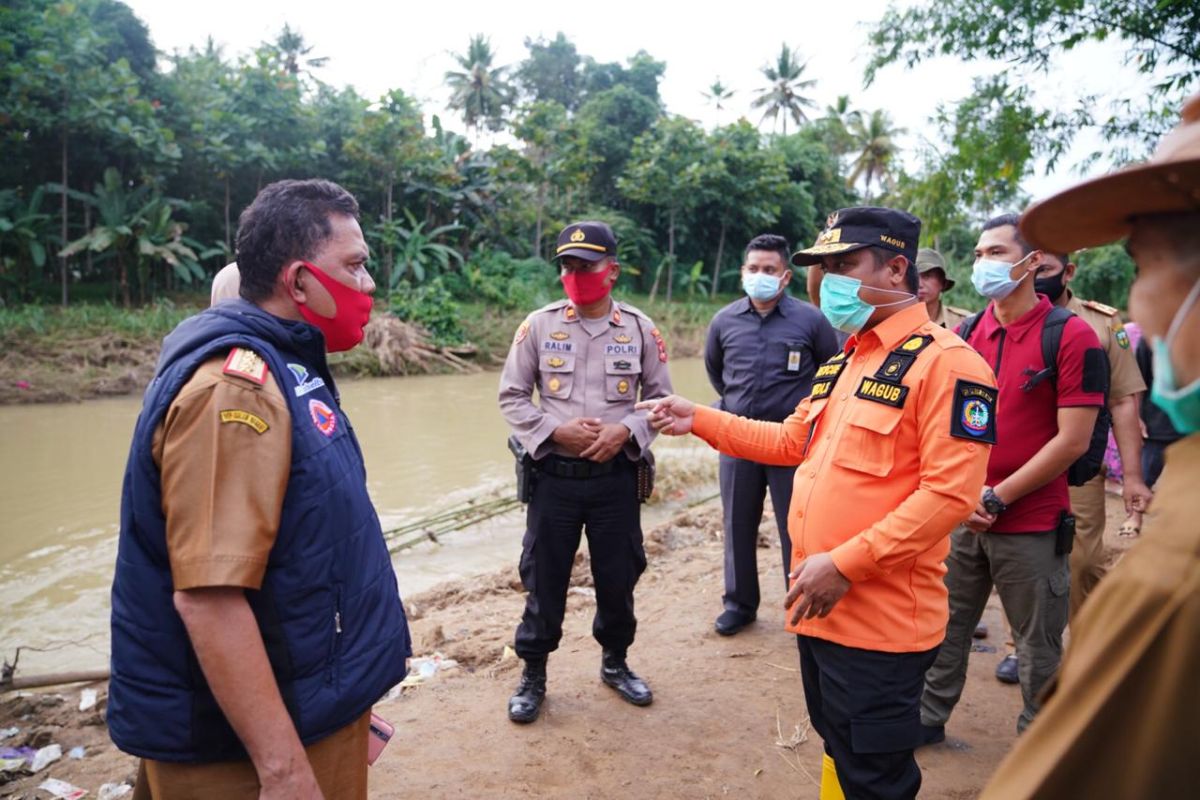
[588, 437]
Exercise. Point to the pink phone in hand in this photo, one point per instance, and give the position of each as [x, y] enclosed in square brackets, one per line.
[380, 733]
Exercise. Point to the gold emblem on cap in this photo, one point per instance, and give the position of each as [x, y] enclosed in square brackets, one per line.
[558, 336]
[554, 384]
[831, 220]
[578, 235]
[621, 338]
[623, 386]
[830, 236]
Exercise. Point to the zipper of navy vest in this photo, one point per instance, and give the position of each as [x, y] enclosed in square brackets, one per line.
[336, 647]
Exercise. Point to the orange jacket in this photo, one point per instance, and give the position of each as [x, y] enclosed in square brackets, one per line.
[892, 454]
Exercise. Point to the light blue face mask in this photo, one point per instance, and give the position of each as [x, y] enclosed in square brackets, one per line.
[760, 286]
[1180, 404]
[842, 306]
[993, 279]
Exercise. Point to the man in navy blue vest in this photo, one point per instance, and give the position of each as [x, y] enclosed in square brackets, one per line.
[255, 614]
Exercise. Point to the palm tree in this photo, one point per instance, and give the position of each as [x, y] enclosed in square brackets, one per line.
[874, 137]
[480, 91]
[783, 94]
[717, 94]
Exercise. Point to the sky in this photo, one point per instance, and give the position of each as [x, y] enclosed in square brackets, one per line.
[377, 47]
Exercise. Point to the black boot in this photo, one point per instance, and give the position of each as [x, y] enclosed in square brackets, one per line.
[526, 702]
[616, 673]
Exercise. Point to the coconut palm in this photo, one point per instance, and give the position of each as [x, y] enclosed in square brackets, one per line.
[783, 95]
[874, 138]
[717, 94]
[480, 91]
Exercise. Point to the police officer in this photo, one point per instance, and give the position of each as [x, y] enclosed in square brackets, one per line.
[934, 280]
[589, 358]
[1121, 722]
[760, 356]
[892, 447]
[1125, 386]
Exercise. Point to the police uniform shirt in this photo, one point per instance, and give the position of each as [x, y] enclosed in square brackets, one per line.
[1124, 377]
[950, 317]
[600, 369]
[762, 366]
[1123, 718]
[224, 450]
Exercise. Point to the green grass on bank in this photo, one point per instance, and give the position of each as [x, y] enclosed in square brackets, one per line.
[85, 320]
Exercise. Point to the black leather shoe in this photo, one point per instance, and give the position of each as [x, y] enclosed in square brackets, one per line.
[981, 631]
[615, 673]
[1006, 670]
[730, 622]
[932, 734]
[526, 703]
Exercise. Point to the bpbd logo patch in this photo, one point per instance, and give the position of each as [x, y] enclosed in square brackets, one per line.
[973, 413]
[322, 417]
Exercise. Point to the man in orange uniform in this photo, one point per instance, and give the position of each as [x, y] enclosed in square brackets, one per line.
[892, 447]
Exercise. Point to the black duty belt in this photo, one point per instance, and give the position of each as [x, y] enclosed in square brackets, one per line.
[563, 467]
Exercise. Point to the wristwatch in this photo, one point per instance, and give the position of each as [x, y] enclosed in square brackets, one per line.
[993, 503]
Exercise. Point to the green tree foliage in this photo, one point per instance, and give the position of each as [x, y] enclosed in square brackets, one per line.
[551, 72]
[479, 90]
[873, 138]
[611, 121]
[783, 96]
[1160, 38]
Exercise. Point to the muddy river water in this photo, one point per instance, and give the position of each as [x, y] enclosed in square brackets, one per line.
[430, 443]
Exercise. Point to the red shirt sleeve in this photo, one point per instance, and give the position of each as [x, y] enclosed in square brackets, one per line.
[1082, 366]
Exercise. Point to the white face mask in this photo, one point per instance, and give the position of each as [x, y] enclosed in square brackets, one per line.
[993, 279]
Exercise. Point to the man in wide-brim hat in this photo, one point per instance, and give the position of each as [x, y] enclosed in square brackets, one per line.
[1124, 718]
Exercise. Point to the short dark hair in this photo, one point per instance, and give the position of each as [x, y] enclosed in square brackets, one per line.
[288, 220]
[772, 243]
[1013, 220]
[912, 278]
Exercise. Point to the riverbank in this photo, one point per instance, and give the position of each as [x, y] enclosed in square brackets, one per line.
[728, 717]
[50, 355]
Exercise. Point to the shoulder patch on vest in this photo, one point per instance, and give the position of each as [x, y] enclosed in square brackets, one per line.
[890, 394]
[1107, 311]
[973, 412]
[243, 363]
[915, 343]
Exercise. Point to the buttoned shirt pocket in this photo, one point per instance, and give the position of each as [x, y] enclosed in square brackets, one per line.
[621, 377]
[557, 375]
[868, 440]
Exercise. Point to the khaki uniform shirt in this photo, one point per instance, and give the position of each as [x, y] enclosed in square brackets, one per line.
[224, 450]
[949, 317]
[1123, 721]
[578, 373]
[1124, 377]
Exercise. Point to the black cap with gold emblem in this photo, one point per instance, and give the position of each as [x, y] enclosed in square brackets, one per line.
[588, 240]
[864, 226]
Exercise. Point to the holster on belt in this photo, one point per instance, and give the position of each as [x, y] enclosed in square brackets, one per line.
[645, 479]
[524, 467]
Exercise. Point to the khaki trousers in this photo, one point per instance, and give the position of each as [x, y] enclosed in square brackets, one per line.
[1087, 559]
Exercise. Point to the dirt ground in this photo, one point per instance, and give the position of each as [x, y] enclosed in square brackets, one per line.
[728, 717]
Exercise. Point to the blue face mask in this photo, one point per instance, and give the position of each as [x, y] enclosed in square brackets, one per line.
[760, 286]
[993, 279]
[842, 306]
[1180, 404]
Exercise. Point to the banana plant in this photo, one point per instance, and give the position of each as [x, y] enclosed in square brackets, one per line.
[23, 229]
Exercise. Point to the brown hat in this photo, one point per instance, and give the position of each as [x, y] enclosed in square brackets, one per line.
[1100, 210]
[929, 259]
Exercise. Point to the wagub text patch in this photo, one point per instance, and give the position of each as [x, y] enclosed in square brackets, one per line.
[973, 412]
[890, 394]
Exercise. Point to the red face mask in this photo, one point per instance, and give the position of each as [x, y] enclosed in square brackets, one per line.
[352, 312]
[585, 288]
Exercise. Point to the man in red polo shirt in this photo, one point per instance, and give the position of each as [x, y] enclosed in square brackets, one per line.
[1019, 537]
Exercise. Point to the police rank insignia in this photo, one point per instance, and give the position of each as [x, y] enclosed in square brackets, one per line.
[621, 338]
[246, 364]
[322, 416]
[886, 392]
[915, 344]
[559, 336]
[622, 386]
[569, 313]
[555, 361]
[254, 421]
[973, 414]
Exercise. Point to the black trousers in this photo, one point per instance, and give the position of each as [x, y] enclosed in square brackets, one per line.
[744, 484]
[866, 705]
[607, 508]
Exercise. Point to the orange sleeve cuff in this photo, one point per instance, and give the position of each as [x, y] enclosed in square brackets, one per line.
[707, 423]
[854, 560]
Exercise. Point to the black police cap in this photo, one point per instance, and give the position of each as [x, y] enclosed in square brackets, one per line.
[588, 240]
[864, 226]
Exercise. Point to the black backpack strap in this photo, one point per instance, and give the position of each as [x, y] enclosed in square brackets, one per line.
[967, 326]
[1052, 333]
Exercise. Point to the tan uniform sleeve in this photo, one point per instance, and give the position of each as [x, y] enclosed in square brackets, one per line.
[224, 450]
[1124, 376]
[530, 424]
[656, 382]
